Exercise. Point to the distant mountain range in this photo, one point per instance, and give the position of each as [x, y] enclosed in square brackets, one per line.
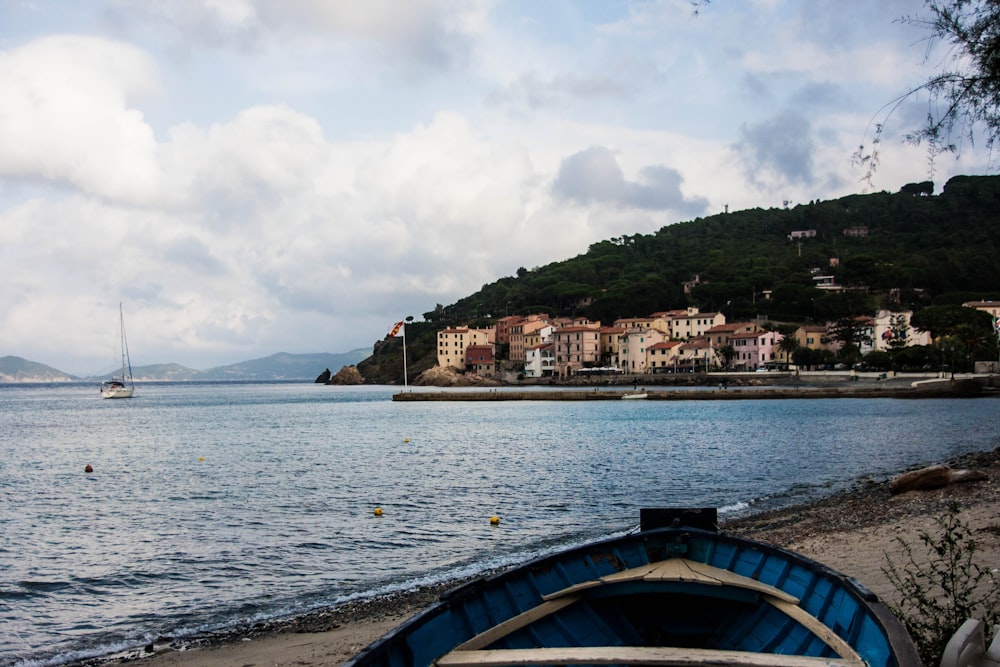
[280, 366]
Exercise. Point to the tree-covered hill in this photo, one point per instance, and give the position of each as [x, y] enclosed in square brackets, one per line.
[905, 250]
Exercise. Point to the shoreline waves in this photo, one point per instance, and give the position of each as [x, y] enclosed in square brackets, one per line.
[853, 531]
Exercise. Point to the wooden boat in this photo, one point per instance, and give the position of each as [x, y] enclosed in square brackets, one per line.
[673, 595]
[120, 386]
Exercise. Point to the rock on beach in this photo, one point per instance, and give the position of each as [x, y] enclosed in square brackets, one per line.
[932, 477]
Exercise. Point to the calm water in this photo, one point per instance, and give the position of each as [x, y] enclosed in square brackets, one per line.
[217, 504]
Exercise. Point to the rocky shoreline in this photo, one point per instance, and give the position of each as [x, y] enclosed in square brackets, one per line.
[870, 503]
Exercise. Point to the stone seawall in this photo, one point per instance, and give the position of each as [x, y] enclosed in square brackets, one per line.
[964, 389]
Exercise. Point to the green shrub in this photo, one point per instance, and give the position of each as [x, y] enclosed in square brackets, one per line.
[942, 589]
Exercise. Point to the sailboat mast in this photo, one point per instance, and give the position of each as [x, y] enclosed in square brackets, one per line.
[125, 355]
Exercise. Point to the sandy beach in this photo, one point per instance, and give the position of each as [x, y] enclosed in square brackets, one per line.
[853, 532]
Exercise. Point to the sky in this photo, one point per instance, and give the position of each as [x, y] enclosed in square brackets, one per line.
[249, 177]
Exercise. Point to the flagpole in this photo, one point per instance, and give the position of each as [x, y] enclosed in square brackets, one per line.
[404, 357]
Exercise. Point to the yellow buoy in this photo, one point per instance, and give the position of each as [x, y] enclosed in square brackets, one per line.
[201, 458]
[494, 521]
[406, 439]
[378, 511]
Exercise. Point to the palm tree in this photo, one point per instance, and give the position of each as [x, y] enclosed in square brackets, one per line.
[787, 347]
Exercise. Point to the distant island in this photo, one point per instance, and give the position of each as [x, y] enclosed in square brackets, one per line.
[280, 366]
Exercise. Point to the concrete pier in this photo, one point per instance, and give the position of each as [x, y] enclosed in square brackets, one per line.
[937, 390]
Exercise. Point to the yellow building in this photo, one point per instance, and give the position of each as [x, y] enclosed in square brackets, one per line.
[452, 343]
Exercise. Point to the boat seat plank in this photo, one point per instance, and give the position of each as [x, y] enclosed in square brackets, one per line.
[680, 570]
[818, 628]
[501, 630]
[634, 655]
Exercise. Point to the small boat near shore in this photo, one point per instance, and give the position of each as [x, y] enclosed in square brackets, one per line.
[676, 592]
[634, 395]
[120, 386]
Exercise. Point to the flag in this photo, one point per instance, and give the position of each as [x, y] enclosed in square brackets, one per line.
[395, 329]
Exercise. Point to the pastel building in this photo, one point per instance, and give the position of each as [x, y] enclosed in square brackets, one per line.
[720, 334]
[610, 345]
[540, 361]
[696, 355]
[755, 350]
[663, 357]
[694, 324]
[633, 353]
[479, 360]
[991, 307]
[576, 347]
[892, 330]
[813, 337]
[452, 343]
[521, 333]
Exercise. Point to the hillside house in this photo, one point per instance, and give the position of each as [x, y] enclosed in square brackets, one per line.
[720, 334]
[610, 345]
[576, 347]
[663, 357]
[693, 324]
[755, 350]
[503, 326]
[812, 337]
[480, 361]
[696, 354]
[891, 330]
[540, 361]
[633, 348]
[991, 307]
[522, 331]
[452, 343]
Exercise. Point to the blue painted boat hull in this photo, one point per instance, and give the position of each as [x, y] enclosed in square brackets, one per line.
[668, 595]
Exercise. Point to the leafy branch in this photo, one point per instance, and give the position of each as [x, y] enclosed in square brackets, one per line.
[943, 586]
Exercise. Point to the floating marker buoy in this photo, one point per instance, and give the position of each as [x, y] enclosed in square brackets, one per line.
[88, 468]
[494, 521]
[201, 458]
[406, 439]
[378, 511]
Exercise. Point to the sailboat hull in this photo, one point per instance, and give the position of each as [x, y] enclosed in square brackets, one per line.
[117, 392]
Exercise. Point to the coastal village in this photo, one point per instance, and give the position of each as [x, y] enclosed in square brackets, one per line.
[674, 341]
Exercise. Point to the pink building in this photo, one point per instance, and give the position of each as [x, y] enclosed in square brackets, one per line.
[755, 350]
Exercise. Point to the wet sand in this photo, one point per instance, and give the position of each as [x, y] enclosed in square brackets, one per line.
[853, 532]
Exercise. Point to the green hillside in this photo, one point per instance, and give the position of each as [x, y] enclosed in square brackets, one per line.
[912, 250]
[17, 369]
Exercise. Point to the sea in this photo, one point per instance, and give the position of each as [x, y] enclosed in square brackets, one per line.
[214, 505]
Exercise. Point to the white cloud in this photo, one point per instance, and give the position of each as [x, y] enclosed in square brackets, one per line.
[254, 176]
[68, 116]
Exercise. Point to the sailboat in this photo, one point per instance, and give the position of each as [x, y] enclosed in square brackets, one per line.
[120, 386]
